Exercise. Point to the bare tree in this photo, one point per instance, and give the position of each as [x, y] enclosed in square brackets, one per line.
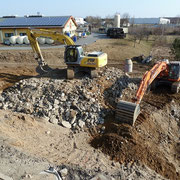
[138, 33]
[178, 19]
[109, 20]
[132, 21]
[133, 33]
[95, 21]
[125, 19]
[147, 32]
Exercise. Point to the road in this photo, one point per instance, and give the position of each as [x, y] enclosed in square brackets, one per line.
[82, 41]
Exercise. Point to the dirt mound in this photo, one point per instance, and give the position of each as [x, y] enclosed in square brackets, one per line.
[127, 144]
[52, 56]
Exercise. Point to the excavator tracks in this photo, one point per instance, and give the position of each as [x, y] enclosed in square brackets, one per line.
[175, 87]
[70, 73]
[93, 73]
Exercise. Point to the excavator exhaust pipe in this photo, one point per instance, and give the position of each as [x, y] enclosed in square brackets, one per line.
[127, 112]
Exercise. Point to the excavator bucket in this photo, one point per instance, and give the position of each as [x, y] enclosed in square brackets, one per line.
[42, 69]
[127, 112]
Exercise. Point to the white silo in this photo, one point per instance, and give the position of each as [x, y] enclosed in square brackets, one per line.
[117, 20]
[49, 41]
[19, 39]
[12, 39]
[26, 40]
[41, 40]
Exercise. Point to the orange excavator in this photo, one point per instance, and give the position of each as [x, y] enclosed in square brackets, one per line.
[163, 72]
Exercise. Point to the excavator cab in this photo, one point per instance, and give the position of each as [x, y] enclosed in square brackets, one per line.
[73, 54]
[174, 70]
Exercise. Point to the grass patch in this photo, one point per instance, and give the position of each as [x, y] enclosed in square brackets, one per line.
[121, 49]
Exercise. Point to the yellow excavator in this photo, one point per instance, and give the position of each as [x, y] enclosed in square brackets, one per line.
[74, 56]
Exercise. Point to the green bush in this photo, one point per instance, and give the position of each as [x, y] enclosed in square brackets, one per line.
[176, 48]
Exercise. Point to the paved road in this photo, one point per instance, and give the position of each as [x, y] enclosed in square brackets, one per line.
[88, 40]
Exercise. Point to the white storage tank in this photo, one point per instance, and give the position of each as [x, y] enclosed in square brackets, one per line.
[80, 34]
[117, 20]
[41, 40]
[49, 41]
[19, 39]
[26, 40]
[12, 39]
[128, 65]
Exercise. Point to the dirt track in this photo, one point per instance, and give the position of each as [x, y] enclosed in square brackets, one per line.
[153, 141]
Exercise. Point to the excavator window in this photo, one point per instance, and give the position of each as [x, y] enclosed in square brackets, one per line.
[71, 55]
[174, 71]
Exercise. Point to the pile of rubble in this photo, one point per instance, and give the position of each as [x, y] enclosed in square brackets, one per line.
[73, 104]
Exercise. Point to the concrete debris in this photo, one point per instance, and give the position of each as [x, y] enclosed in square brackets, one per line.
[66, 124]
[74, 104]
[64, 172]
[102, 177]
[53, 171]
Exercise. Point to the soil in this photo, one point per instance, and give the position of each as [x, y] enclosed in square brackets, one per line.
[125, 144]
[153, 141]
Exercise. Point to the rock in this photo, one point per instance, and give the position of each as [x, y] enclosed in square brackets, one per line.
[53, 120]
[66, 124]
[1, 99]
[102, 177]
[73, 113]
[63, 99]
[62, 95]
[73, 120]
[56, 106]
[4, 177]
[64, 172]
[48, 132]
[60, 120]
[93, 100]
[29, 176]
[56, 101]
[81, 124]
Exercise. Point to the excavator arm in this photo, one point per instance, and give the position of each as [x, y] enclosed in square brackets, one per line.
[128, 112]
[148, 78]
[35, 33]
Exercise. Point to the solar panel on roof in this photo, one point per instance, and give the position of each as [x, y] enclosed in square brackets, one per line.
[34, 21]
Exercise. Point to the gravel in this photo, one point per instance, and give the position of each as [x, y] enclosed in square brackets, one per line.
[73, 104]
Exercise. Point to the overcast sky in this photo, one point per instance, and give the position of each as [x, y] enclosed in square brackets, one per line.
[83, 8]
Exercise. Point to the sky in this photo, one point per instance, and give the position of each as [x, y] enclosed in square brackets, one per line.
[83, 8]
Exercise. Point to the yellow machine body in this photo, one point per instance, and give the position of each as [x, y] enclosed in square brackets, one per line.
[94, 62]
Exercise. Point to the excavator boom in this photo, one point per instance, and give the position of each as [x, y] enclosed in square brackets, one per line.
[128, 112]
[148, 78]
[35, 33]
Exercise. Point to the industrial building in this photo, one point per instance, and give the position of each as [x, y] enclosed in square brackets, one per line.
[149, 21]
[13, 25]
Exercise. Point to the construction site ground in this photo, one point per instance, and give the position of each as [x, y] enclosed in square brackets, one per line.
[29, 144]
